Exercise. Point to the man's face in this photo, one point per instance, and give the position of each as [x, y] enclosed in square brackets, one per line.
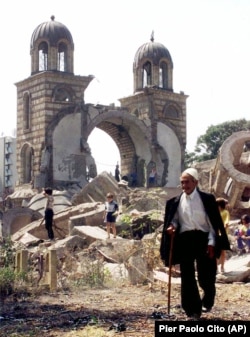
[188, 183]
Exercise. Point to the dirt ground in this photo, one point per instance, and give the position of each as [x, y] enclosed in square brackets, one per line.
[122, 310]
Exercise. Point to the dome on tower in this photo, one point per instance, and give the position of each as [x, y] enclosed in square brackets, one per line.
[51, 31]
[52, 48]
[152, 50]
[153, 67]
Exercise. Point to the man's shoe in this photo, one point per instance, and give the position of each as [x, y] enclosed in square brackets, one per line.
[194, 317]
[204, 309]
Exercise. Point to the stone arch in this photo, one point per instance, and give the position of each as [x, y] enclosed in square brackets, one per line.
[129, 134]
[61, 114]
[126, 131]
[132, 136]
[169, 153]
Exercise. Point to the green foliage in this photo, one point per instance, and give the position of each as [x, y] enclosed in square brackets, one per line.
[190, 159]
[7, 256]
[126, 218]
[155, 215]
[208, 145]
[94, 274]
[8, 276]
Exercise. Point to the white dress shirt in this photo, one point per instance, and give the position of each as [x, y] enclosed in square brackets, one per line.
[191, 215]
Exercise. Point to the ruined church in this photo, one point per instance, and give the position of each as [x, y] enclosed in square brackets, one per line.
[54, 122]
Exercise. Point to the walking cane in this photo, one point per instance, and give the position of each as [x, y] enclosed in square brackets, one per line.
[41, 222]
[59, 229]
[170, 269]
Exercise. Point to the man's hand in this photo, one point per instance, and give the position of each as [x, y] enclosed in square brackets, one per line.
[170, 230]
[210, 251]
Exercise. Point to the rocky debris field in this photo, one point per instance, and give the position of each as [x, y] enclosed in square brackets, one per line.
[121, 310]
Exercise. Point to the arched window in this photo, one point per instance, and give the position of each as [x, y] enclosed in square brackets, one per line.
[163, 75]
[26, 111]
[43, 56]
[62, 57]
[62, 94]
[171, 111]
[147, 74]
[27, 162]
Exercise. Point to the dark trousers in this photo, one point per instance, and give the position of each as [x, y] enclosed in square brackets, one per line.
[48, 216]
[193, 245]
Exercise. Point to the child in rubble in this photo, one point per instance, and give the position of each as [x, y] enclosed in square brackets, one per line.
[110, 214]
[240, 234]
[246, 236]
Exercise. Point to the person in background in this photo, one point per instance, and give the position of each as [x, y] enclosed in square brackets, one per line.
[222, 205]
[192, 223]
[48, 212]
[110, 214]
[133, 177]
[152, 177]
[246, 236]
[240, 234]
[117, 173]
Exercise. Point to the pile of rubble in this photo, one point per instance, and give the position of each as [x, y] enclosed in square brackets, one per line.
[81, 238]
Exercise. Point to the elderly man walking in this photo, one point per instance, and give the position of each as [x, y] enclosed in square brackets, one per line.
[194, 220]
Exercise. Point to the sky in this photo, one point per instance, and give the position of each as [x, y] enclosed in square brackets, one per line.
[209, 42]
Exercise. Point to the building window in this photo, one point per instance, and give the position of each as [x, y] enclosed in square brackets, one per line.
[62, 57]
[163, 75]
[62, 94]
[26, 111]
[43, 56]
[147, 74]
[27, 163]
[171, 111]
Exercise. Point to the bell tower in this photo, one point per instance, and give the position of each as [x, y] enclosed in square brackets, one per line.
[162, 110]
[153, 67]
[50, 112]
[52, 48]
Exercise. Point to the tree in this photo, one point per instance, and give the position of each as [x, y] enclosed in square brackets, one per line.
[208, 145]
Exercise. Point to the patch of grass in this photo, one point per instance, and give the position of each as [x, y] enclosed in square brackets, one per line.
[94, 274]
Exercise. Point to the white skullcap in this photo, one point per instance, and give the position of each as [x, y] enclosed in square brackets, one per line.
[192, 172]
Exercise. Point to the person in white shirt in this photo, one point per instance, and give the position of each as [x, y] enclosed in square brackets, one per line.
[110, 214]
[193, 220]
